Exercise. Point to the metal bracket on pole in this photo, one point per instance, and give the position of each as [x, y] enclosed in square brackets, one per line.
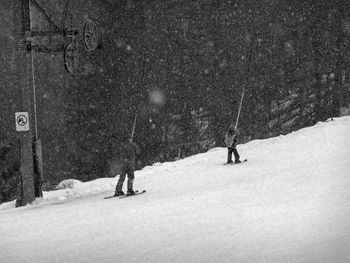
[47, 17]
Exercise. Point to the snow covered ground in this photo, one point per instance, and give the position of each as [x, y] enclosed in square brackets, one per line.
[289, 203]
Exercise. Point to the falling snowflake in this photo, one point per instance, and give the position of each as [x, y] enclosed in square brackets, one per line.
[156, 97]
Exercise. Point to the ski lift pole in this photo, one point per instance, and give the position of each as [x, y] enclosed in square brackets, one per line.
[133, 128]
[245, 84]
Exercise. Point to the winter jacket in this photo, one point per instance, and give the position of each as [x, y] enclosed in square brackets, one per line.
[127, 152]
[231, 140]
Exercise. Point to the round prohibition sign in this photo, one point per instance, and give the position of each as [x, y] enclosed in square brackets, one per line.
[22, 120]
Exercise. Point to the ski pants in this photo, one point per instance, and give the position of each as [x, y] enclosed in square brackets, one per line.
[127, 169]
[235, 152]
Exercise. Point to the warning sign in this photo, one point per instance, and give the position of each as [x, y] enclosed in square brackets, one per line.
[22, 121]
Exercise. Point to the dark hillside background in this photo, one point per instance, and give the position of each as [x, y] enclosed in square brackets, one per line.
[180, 67]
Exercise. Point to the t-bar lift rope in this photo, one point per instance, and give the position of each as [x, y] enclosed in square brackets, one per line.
[245, 84]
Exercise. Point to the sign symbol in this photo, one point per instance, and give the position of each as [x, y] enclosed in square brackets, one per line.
[22, 120]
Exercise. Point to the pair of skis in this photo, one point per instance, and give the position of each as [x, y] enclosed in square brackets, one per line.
[243, 161]
[125, 196]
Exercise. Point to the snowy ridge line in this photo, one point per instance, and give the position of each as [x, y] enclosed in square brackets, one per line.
[304, 132]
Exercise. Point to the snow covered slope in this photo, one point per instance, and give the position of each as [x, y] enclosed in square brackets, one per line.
[289, 203]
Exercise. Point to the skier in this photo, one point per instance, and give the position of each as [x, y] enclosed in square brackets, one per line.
[127, 153]
[231, 142]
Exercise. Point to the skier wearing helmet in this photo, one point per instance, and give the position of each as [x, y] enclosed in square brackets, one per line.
[231, 142]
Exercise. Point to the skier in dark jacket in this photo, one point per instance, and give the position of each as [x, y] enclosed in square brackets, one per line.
[127, 152]
[231, 143]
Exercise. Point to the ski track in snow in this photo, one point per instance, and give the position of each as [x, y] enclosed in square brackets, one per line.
[289, 203]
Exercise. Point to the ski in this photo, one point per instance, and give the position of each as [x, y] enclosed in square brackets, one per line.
[237, 163]
[123, 196]
[112, 196]
[136, 193]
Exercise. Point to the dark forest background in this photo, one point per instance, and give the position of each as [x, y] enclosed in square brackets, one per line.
[180, 68]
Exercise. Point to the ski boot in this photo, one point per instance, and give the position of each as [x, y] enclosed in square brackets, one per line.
[130, 192]
[119, 193]
[238, 161]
